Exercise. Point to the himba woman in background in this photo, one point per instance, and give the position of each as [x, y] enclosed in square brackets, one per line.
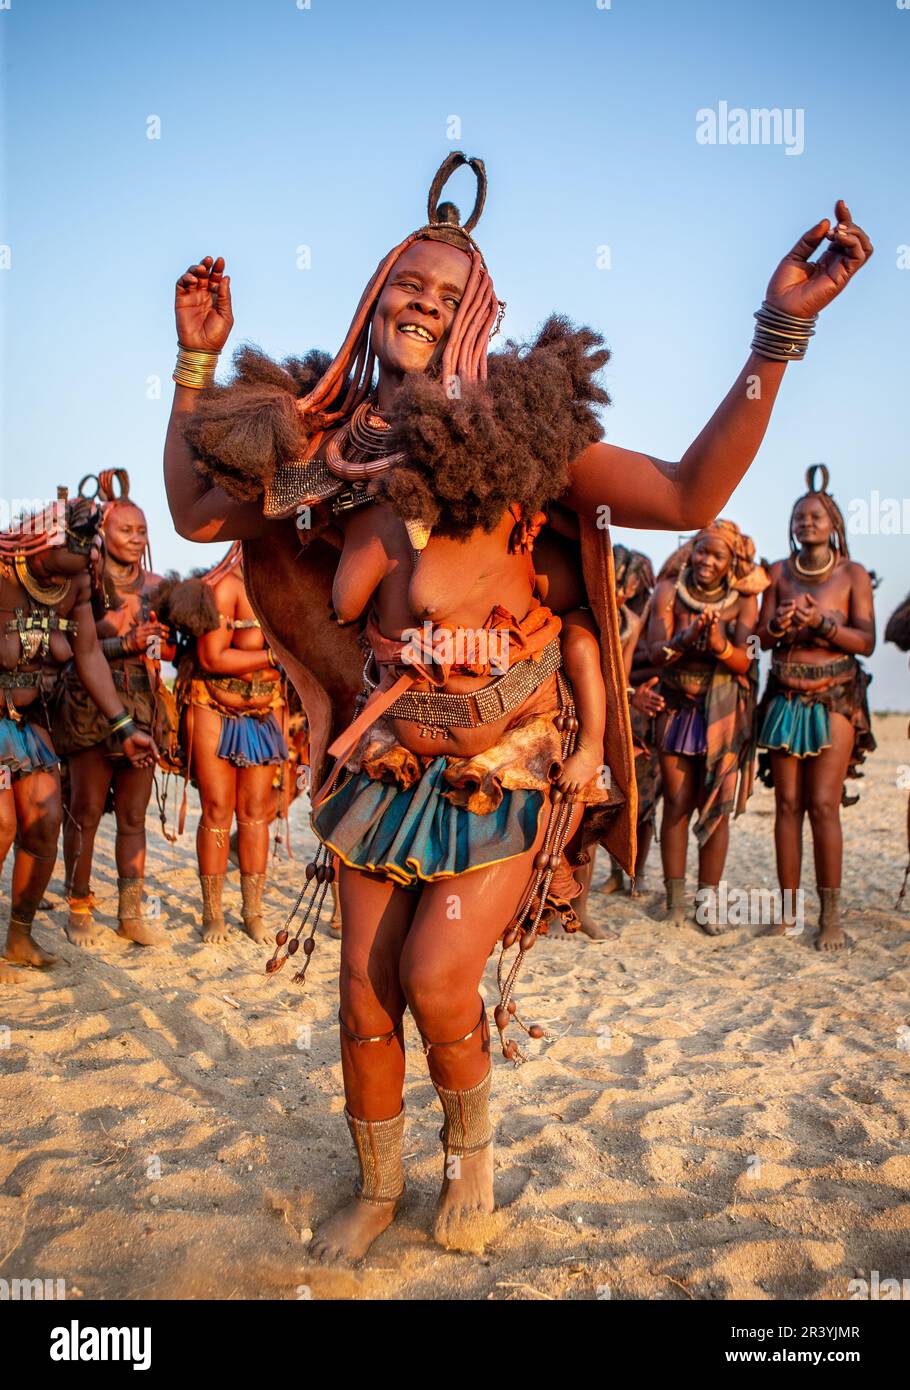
[234, 711]
[99, 777]
[817, 618]
[50, 568]
[703, 612]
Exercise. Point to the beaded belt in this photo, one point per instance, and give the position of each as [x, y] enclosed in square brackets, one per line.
[441, 709]
[20, 680]
[802, 670]
[240, 687]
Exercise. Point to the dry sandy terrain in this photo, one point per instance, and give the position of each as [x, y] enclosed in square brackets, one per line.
[719, 1118]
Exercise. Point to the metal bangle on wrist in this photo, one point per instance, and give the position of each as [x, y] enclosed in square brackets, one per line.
[779, 336]
[122, 725]
[195, 368]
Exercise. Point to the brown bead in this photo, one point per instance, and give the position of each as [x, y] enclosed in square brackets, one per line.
[293, 946]
[309, 872]
[554, 862]
[560, 722]
[309, 946]
[501, 1017]
[511, 1006]
[281, 938]
[527, 941]
[510, 937]
[330, 873]
[541, 859]
[274, 964]
[556, 794]
[510, 1051]
[535, 1031]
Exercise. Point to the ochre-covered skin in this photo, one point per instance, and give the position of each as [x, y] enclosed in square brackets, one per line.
[398, 947]
[796, 619]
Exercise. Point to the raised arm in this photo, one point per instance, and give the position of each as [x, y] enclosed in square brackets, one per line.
[200, 511]
[648, 492]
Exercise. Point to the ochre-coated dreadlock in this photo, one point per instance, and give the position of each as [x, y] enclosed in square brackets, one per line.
[349, 378]
[838, 538]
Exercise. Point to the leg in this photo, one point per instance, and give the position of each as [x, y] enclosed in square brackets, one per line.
[217, 782]
[825, 778]
[90, 778]
[447, 948]
[712, 856]
[645, 838]
[377, 917]
[678, 775]
[7, 836]
[256, 807]
[789, 810]
[39, 810]
[583, 869]
[132, 789]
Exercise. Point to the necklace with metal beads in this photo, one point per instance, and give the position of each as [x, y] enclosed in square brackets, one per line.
[701, 601]
[805, 573]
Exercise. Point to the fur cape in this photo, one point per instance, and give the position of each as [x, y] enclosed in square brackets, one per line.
[509, 440]
[898, 629]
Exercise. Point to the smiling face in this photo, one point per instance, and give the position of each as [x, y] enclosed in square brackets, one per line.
[417, 306]
[710, 562]
[126, 533]
[811, 522]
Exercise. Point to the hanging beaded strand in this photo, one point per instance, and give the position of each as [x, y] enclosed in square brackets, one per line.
[524, 928]
[319, 873]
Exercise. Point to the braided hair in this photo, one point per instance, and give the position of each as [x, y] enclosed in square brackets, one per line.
[348, 379]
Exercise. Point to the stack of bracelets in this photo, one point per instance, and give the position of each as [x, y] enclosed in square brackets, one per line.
[195, 368]
[781, 337]
[123, 725]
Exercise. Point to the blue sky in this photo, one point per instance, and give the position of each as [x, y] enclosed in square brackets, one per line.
[284, 126]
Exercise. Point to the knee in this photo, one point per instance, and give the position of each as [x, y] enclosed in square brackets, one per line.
[218, 811]
[824, 809]
[39, 837]
[789, 804]
[86, 811]
[677, 805]
[364, 985]
[130, 820]
[428, 987]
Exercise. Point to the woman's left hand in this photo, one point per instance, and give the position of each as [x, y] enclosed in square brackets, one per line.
[803, 287]
[808, 612]
[717, 637]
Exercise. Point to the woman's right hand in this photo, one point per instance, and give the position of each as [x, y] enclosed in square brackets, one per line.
[203, 306]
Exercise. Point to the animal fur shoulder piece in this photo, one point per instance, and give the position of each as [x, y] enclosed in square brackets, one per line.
[469, 456]
[898, 629]
[186, 604]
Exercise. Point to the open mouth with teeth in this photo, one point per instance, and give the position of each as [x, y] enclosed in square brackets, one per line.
[416, 330]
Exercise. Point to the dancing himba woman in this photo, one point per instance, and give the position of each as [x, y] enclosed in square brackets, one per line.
[50, 565]
[817, 618]
[450, 812]
[703, 612]
[100, 775]
[231, 694]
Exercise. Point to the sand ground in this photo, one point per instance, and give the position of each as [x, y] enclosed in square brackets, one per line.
[718, 1118]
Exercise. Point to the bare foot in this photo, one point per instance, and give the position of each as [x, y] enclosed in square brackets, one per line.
[831, 939]
[82, 930]
[137, 930]
[595, 931]
[347, 1236]
[783, 929]
[335, 926]
[257, 930]
[615, 883]
[22, 948]
[9, 975]
[465, 1201]
[216, 932]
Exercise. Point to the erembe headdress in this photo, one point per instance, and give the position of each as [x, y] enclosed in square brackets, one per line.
[70, 522]
[110, 499]
[838, 538]
[342, 393]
